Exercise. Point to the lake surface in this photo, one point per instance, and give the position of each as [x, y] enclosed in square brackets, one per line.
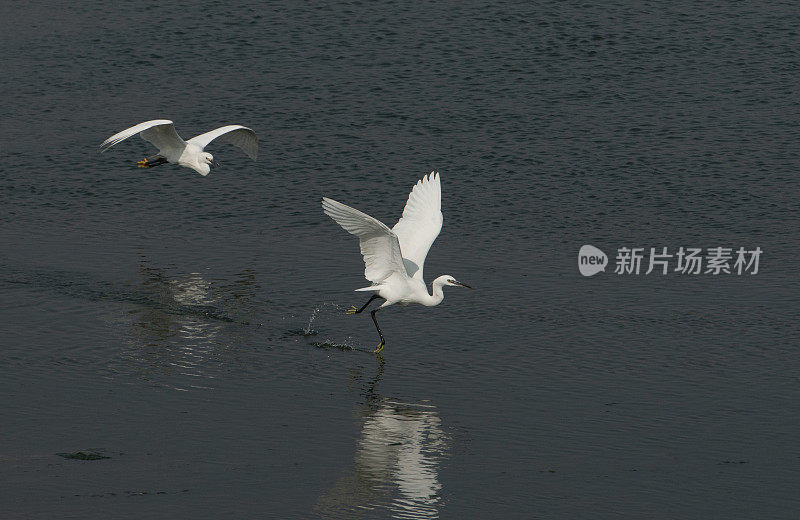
[193, 330]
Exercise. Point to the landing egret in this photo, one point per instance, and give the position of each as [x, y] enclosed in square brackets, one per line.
[173, 149]
[394, 257]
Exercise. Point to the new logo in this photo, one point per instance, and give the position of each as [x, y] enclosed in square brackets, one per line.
[591, 260]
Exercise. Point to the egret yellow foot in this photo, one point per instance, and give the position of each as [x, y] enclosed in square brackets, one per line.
[142, 163]
[352, 310]
[380, 347]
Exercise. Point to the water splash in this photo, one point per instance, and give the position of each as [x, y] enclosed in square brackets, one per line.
[308, 331]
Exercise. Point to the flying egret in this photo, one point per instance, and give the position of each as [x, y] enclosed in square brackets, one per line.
[173, 149]
[394, 257]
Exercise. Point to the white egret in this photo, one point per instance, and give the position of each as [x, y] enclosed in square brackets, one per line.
[173, 149]
[395, 257]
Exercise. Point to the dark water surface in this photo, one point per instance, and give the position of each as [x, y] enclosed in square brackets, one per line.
[193, 329]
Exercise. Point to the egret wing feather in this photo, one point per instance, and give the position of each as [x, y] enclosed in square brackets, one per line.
[165, 138]
[237, 135]
[379, 245]
[420, 224]
[159, 132]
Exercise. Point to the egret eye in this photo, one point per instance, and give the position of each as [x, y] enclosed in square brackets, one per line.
[451, 280]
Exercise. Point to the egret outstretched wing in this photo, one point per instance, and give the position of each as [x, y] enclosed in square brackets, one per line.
[379, 244]
[159, 132]
[237, 135]
[420, 224]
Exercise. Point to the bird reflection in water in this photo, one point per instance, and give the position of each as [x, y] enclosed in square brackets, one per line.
[180, 330]
[396, 464]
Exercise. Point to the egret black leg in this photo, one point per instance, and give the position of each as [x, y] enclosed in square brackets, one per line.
[383, 341]
[148, 163]
[353, 310]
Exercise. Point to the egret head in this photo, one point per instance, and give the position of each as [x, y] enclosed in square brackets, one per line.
[449, 280]
[203, 163]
